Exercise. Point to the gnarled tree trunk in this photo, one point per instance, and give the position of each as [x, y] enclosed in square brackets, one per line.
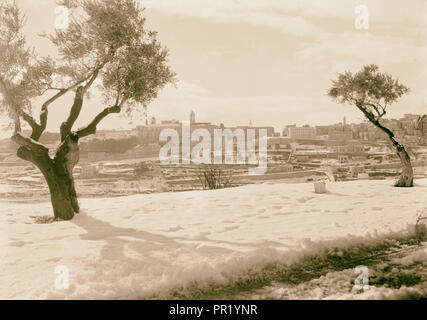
[62, 195]
[406, 178]
[58, 173]
[407, 175]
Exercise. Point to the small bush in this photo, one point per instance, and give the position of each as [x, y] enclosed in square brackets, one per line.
[215, 178]
[44, 219]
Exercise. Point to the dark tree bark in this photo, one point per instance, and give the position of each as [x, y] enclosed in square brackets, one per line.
[406, 178]
[58, 172]
[64, 162]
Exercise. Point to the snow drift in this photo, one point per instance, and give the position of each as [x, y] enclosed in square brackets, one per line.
[142, 246]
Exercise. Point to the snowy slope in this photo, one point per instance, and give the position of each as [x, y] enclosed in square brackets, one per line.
[142, 246]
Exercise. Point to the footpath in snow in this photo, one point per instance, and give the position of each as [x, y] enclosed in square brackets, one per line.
[143, 246]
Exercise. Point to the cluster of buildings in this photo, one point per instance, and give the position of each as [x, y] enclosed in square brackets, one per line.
[150, 134]
[340, 131]
[296, 146]
[339, 142]
[349, 143]
[342, 151]
[407, 129]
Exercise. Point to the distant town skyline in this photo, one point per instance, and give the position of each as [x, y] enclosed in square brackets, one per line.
[269, 62]
[193, 120]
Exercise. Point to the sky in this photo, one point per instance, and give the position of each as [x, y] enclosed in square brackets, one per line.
[266, 61]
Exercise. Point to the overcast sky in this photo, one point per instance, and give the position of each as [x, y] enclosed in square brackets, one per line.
[269, 61]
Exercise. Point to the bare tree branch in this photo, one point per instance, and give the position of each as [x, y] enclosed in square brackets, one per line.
[376, 107]
[76, 108]
[23, 141]
[91, 127]
[66, 126]
[93, 76]
[29, 119]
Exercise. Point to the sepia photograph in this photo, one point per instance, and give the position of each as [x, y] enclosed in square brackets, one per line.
[213, 150]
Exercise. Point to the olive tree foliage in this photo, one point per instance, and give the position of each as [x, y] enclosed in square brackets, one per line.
[105, 45]
[23, 75]
[112, 41]
[368, 89]
[372, 92]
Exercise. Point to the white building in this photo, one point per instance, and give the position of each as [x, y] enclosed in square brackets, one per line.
[302, 132]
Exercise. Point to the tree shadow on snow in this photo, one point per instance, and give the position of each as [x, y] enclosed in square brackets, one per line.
[140, 247]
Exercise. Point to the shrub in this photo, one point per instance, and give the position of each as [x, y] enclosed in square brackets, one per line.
[212, 177]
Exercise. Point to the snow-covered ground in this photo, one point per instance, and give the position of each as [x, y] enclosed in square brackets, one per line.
[143, 246]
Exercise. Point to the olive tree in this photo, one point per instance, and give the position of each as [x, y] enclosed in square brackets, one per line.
[106, 46]
[372, 92]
